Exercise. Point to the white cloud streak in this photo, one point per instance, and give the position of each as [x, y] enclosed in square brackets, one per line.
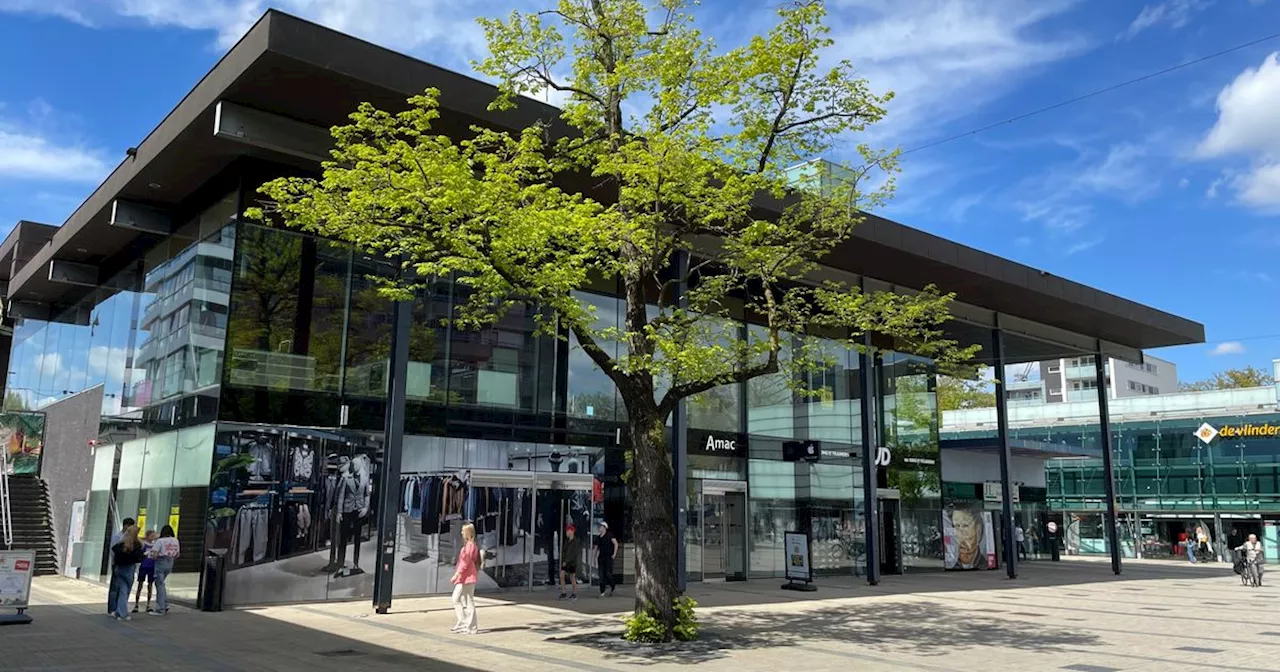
[945, 59]
[1173, 13]
[1228, 348]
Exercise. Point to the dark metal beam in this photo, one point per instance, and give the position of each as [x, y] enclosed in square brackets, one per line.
[73, 273]
[1109, 478]
[28, 310]
[271, 132]
[139, 217]
[393, 440]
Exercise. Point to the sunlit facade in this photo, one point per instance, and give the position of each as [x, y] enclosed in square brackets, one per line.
[246, 377]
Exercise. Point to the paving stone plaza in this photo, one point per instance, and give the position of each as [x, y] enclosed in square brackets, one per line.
[1073, 615]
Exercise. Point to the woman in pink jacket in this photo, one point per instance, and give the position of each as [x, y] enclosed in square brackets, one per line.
[464, 583]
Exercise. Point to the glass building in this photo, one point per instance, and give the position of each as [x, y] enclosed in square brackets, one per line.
[1179, 461]
[246, 376]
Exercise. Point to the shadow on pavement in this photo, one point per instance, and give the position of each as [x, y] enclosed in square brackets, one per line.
[83, 637]
[914, 629]
[766, 591]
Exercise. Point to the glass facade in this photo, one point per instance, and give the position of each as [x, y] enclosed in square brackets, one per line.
[1179, 462]
[150, 338]
[246, 375]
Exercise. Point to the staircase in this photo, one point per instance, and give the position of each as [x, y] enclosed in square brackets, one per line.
[32, 521]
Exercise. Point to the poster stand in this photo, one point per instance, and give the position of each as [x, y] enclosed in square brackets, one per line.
[16, 570]
[796, 547]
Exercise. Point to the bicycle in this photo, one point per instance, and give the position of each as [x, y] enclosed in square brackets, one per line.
[1252, 575]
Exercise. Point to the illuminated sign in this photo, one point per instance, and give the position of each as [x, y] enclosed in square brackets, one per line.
[1207, 432]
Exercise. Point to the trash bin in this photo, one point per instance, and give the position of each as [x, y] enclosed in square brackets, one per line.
[213, 581]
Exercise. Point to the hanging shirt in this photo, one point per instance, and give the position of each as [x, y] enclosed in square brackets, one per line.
[303, 462]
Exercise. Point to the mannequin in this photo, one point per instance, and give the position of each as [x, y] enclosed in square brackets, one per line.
[352, 505]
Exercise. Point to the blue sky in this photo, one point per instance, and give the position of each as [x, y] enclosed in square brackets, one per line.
[1166, 192]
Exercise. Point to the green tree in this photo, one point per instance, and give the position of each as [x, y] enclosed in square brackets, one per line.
[14, 401]
[957, 393]
[671, 171]
[1231, 379]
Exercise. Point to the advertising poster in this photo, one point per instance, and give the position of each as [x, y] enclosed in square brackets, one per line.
[968, 539]
[22, 438]
[797, 549]
[16, 570]
[989, 540]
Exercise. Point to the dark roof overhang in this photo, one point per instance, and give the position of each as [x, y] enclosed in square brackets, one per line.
[311, 76]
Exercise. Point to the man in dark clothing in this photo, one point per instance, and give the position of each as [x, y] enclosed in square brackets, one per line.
[606, 550]
[570, 554]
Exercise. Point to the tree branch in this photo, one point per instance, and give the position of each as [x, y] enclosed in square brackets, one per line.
[782, 113]
[820, 118]
[686, 390]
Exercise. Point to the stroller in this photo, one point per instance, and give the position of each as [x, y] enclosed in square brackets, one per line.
[1238, 563]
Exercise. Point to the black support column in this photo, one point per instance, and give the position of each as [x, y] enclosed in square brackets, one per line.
[1002, 432]
[389, 483]
[1104, 423]
[866, 390]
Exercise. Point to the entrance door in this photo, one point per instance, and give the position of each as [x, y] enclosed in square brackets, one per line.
[735, 548]
[724, 530]
[889, 515]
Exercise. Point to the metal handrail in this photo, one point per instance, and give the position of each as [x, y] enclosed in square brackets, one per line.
[6, 513]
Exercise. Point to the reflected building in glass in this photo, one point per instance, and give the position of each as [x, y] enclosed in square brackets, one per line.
[245, 376]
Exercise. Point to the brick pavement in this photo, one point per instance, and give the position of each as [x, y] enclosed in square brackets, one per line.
[1065, 616]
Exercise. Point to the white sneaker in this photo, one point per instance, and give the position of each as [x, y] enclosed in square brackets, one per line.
[128, 618]
[156, 613]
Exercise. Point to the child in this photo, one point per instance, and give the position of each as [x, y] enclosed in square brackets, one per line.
[146, 571]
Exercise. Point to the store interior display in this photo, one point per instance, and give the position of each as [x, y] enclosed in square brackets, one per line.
[292, 508]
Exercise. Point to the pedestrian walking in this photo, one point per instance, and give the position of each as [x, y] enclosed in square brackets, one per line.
[164, 552]
[113, 594]
[1020, 540]
[126, 554]
[606, 551]
[570, 553]
[464, 583]
[146, 572]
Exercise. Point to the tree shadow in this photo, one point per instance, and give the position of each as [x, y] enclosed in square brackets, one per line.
[918, 629]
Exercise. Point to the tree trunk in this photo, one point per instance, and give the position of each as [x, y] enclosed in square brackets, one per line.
[653, 525]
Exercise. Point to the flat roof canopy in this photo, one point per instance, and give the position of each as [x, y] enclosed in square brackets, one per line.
[312, 76]
[1021, 448]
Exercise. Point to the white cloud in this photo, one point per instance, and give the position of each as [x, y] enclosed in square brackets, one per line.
[1228, 348]
[33, 146]
[25, 155]
[401, 24]
[1173, 13]
[1184, 183]
[1246, 113]
[1246, 127]
[65, 9]
[49, 364]
[102, 358]
[945, 59]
